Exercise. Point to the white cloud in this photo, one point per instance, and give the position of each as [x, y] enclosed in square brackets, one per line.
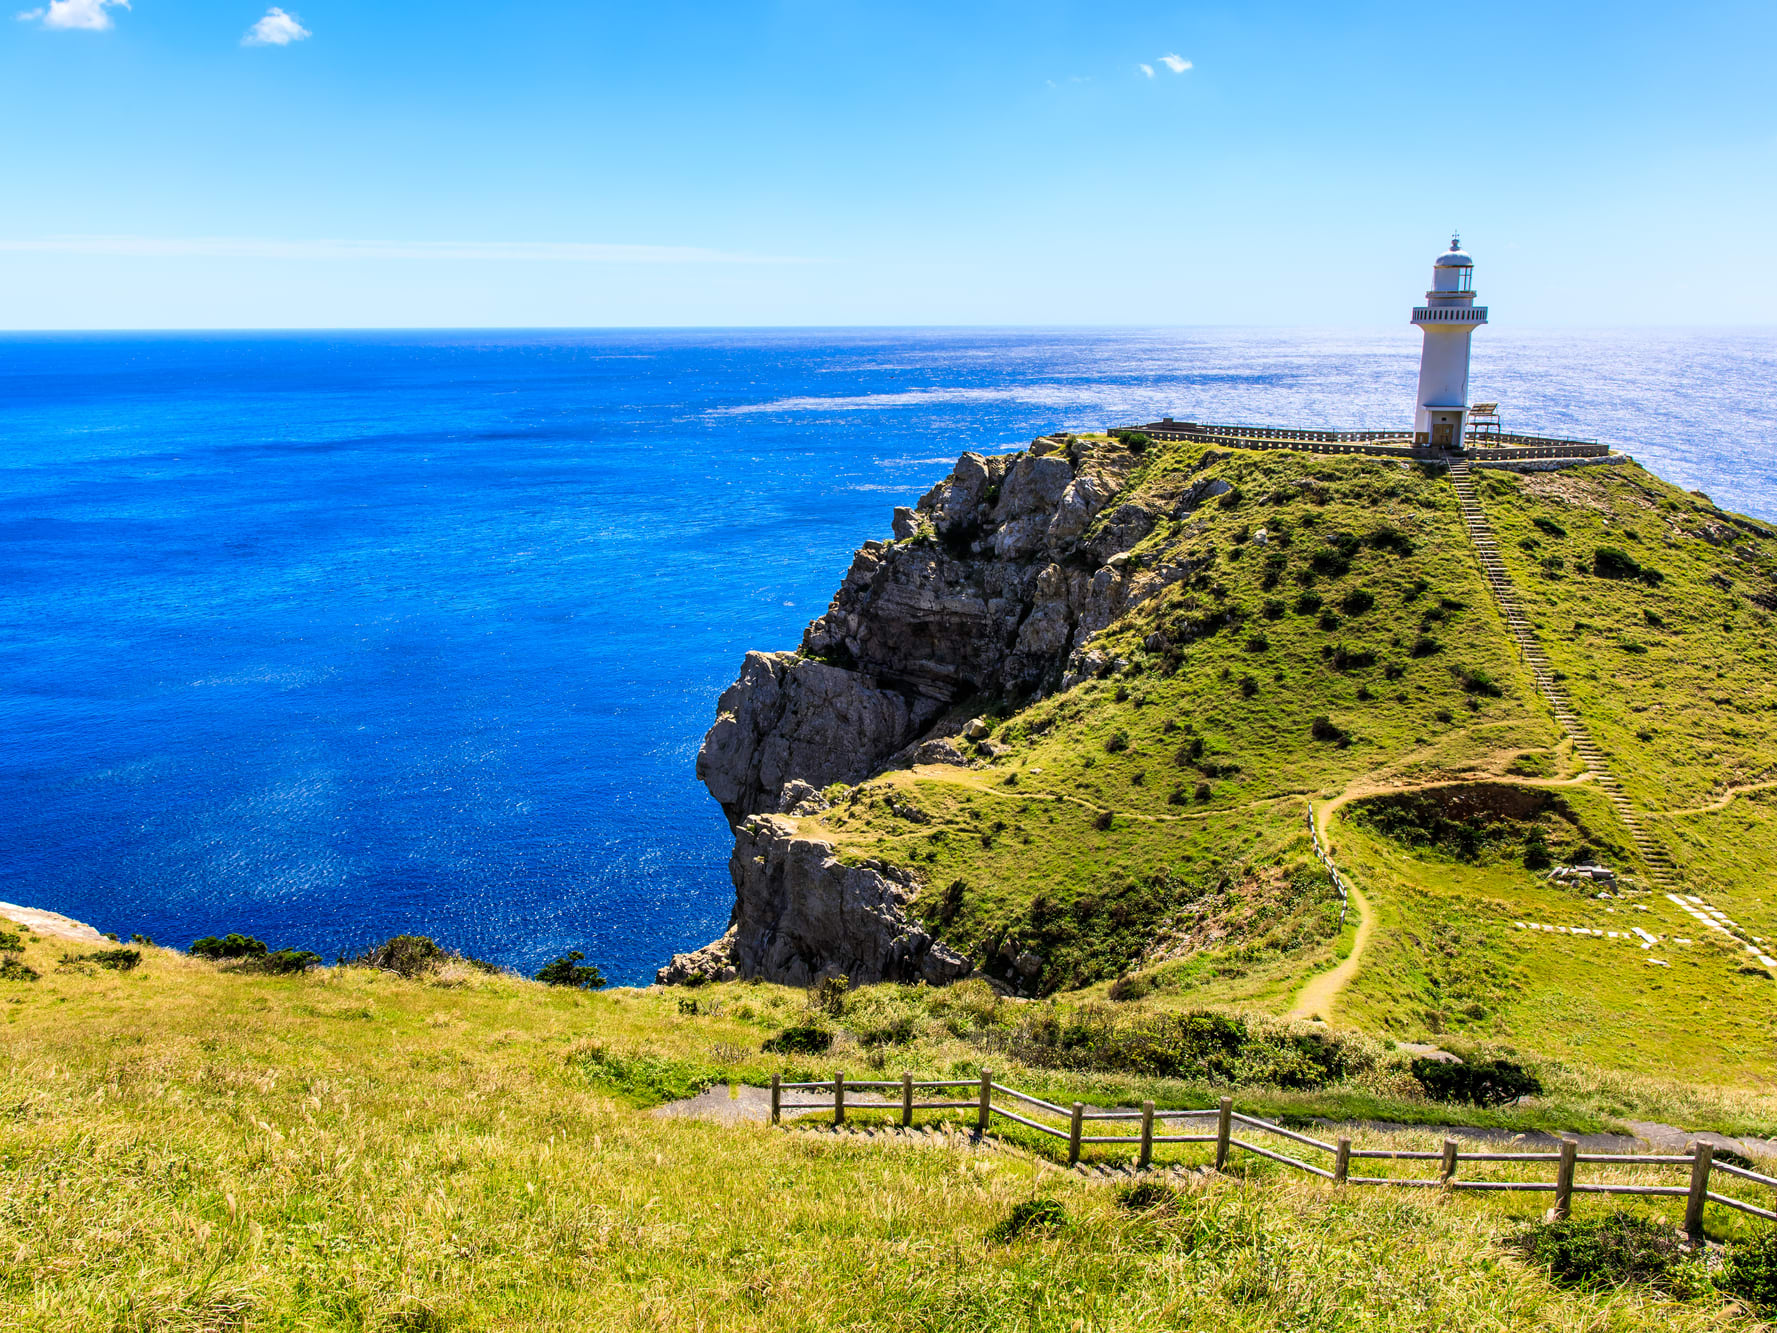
[276, 29]
[235, 247]
[1146, 69]
[1176, 63]
[84, 14]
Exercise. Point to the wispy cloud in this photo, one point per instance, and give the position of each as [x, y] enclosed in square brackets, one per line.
[1176, 63]
[89, 15]
[1146, 69]
[276, 29]
[228, 247]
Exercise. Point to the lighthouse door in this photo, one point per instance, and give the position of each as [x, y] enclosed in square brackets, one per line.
[1441, 432]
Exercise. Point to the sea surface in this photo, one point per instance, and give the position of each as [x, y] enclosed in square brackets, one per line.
[326, 637]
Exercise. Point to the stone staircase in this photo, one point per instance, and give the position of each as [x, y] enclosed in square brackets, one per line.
[1480, 531]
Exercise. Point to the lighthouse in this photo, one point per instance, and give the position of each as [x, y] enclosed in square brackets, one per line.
[1449, 316]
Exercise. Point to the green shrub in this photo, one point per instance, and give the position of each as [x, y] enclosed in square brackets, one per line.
[229, 946]
[803, 1039]
[14, 968]
[829, 995]
[413, 956]
[1031, 1215]
[118, 960]
[1274, 608]
[1749, 1271]
[895, 1031]
[1550, 526]
[1479, 1083]
[1116, 742]
[1604, 1253]
[568, 970]
[1476, 682]
[1308, 604]
[1425, 646]
[1323, 728]
[9, 941]
[1358, 601]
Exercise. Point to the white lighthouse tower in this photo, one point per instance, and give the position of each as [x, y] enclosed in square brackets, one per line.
[1448, 317]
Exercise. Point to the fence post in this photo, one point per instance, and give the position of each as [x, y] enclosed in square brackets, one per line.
[1448, 1171]
[1342, 1162]
[1703, 1154]
[1564, 1180]
[1224, 1127]
[1073, 1134]
[986, 1100]
[839, 1097]
[777, 1096]
[1147, 1135]
[906, 1100]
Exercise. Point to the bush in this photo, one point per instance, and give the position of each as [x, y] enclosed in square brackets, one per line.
[10, 941]
[1750, 1271]
[1202, 792]
[1133, 986]
[413, 956]
[1323, 728]
[1612, 562]
[1274, 608]
[1476, 682]
[1136, 441]
[1390, 538]
[895, 1031]
[1258, 644]
[803, 1039]
[1480, 1083]
[14, 968]
[1550, 526]
[1351, 659]
[1031, 1215]
[829, 995]
[1308, 603]
[1602, 1253]
[229, 946]
[1248, 687]
[1116, 742]
[1103, 821]
[1358, 601]
[1536, 849]
[283, 962]
[1425, 646]
[568, 970]
[118, 960]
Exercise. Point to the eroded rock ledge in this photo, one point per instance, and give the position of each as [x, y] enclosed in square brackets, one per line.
[799, 913]
[994, 587]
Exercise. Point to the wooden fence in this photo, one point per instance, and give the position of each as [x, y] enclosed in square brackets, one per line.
[1226, 1128]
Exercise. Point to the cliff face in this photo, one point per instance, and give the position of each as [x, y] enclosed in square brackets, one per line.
[996, 583]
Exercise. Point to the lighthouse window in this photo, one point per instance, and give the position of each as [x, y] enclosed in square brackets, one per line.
[1466, 280]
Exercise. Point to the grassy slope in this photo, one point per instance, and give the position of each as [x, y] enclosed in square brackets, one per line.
[190, 1149]
[1022, 834]
[1222, 896]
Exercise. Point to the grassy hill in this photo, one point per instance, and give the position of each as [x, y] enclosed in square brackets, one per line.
[191, 1148]
[1341, 648]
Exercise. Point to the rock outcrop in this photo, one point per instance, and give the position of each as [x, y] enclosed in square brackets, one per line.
[800, 914]
[995, 585]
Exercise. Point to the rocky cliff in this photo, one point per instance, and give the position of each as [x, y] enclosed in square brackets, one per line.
[993, 588]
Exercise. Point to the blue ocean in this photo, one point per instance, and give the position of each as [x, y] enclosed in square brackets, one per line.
[326, 637]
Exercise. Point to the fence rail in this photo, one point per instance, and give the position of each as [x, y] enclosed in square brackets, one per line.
[1497, 447]
[1696, 1193]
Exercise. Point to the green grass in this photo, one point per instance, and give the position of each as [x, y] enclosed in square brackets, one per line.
[189, 1148]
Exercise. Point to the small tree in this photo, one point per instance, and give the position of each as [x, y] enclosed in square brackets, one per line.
[568, 970]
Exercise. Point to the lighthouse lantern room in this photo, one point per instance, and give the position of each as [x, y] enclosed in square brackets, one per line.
[1449, 316]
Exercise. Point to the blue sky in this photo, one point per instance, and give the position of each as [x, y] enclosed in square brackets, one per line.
[392, 164]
